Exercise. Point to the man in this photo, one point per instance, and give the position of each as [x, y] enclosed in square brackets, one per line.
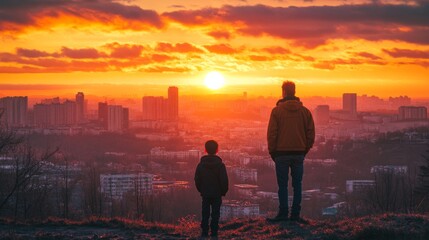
[290, 136]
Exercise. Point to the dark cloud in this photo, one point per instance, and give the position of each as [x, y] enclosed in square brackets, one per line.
[33, 53]
[177, 6]
[407, 53]
[17, 14]
[331, 64]
[81, 53]
[314, 26]
[80, 59]
[220, 34]
[367, 55]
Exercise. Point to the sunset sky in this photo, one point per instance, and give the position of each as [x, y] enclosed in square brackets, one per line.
[50, 47]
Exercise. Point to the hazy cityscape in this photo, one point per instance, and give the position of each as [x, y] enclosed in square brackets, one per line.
[137, 160]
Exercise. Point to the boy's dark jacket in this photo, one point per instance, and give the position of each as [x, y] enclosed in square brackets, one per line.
[211, 178]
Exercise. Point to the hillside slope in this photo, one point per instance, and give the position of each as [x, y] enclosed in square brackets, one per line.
[387, 226]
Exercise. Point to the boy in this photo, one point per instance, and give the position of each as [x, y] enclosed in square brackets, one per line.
[211, 181]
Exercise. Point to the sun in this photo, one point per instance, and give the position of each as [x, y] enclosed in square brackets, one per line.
[214, 80]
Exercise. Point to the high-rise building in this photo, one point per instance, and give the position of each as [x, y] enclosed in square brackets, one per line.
[53, 113]
[322, 114]
[173, 103]
[69, 113]
[102, 114]
[13, 111]
[350, 103]
[115, 118]
[126, 118]
[80, 107]
[155, 108]
[160, 108]
[412, 113]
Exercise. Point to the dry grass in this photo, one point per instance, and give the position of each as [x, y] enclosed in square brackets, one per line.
[387, 226]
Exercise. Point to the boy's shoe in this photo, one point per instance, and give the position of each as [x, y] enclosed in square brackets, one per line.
[278, 218]
[204, 235]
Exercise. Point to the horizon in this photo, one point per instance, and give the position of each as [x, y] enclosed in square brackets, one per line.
[135, 91]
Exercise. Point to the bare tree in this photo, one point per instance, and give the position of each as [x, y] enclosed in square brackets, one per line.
[92, 196]
[27, 164]
[422, 188]
[392, 193]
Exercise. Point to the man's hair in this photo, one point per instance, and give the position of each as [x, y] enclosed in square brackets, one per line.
[211, 146]
[289, 88]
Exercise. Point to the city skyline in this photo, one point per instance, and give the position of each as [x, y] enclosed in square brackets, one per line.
[103, 47]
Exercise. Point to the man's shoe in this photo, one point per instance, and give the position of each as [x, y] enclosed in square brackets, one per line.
[204, 235]
[278, 218]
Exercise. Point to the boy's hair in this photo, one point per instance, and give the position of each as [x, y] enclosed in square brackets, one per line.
[289, 88]
[211, 147]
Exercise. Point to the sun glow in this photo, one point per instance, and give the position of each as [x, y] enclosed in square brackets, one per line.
[214, 80]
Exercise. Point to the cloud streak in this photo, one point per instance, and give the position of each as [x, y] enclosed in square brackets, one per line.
[15, 16]
[314, 26]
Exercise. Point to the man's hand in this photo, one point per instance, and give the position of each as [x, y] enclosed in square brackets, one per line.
[306, 151]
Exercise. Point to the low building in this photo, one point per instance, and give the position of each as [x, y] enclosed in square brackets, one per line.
[246, 190]
[389, 169]
[263, 194]
[117, 185]
[324, 162]
[238, 209]
[160, 153]
[246, 174]
[407, 113]
[161, 186]
[358, 185]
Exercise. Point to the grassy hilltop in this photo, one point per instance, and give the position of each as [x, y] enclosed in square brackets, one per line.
[387, 226]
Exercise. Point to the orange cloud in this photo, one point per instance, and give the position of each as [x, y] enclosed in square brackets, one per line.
[161, 69]
[259, 58]
[276, 50]
[324, 65]
[125, 50]
[221, 49]
[81, 59]
[178, 47]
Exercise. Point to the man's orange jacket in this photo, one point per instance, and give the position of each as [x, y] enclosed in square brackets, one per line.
[291, 128]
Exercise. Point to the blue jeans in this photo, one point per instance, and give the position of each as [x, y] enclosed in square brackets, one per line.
[296, 165]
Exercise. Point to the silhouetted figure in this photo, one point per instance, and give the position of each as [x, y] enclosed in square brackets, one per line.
[290, 136]
[211, 181]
